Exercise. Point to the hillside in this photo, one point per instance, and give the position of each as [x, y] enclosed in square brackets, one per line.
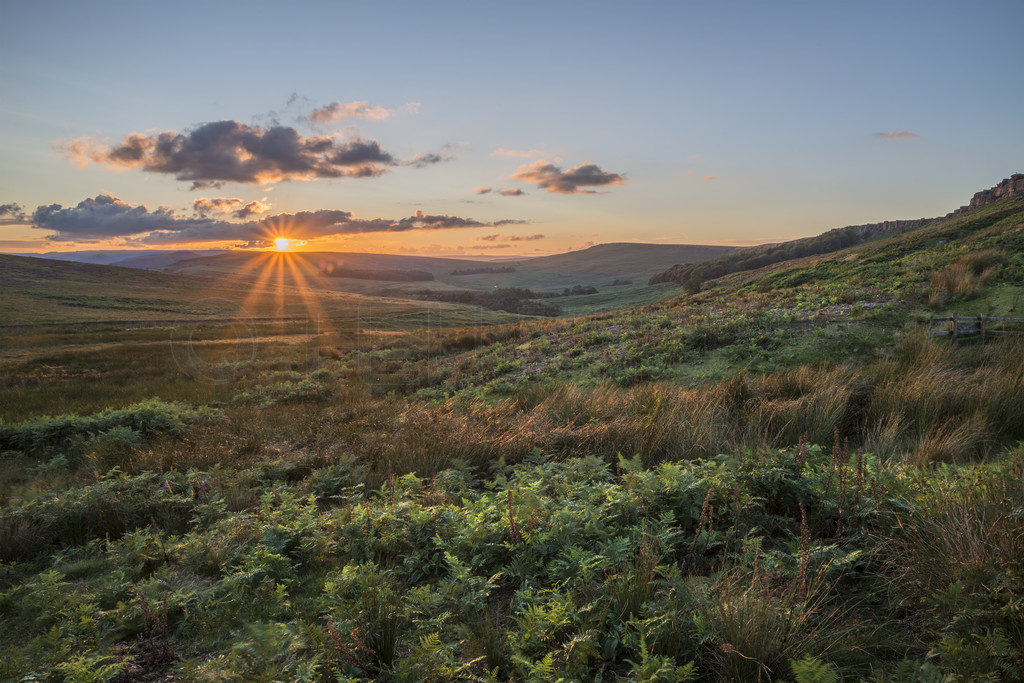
[596, 266]
[848, 304]
[48, 291]
[155, 261]
[778, 478]
[109, 257]
[693, 274]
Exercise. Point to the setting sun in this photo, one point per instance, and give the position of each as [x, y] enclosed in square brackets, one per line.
[282, 243]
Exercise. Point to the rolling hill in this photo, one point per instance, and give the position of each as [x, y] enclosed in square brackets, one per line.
[596, 266]
[47, 291]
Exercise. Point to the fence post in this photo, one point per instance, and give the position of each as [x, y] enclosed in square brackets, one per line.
[954, 328]
[981, 326]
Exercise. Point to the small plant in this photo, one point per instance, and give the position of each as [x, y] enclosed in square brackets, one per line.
[156, 649]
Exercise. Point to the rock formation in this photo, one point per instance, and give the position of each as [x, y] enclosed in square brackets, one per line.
[1010, 187]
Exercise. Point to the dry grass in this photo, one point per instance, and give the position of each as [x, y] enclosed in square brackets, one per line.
[965, 278]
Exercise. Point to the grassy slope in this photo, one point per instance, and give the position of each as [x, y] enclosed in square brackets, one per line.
[50, 291]
[443, 507]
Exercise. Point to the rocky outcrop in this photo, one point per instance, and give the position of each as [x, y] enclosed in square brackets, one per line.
[1010, 187]
[869, 229]
[838, 238]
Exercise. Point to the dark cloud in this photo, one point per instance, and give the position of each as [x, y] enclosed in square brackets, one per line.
[12, 210]
[229, 151]
[512, 192]
[105, 216]
[553, 179]
[490, 238]
[482, 189]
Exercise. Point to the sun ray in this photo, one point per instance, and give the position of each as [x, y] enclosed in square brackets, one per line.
[306, 293]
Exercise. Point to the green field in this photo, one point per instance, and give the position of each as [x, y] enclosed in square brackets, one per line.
[774, 475]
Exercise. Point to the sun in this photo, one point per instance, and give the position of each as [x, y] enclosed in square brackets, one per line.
[282, 243]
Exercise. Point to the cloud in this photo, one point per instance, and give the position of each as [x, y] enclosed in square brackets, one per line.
[502, 152]
[482, 189]
[253, 208]
[336, 111]
[12, 214]
[553, 179]
[104, 216]
[710, 178]
[901, 135]
[516, 192]
[424, 160]
[228, 151]
[498, 237]
[204, 206]
[234, 206]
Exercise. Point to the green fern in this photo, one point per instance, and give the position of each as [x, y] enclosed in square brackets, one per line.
[811, 670]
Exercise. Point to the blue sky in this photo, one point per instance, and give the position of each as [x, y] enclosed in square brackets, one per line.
[681, 122]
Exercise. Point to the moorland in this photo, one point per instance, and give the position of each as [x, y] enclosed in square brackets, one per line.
[748, 464]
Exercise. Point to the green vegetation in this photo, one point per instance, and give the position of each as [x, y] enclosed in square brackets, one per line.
[778, 477]
[484, 269]
[512, 299]
[379, 274]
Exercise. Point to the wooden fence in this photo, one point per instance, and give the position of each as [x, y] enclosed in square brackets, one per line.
[958, 326]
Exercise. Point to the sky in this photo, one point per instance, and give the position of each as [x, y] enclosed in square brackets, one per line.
[469, 128]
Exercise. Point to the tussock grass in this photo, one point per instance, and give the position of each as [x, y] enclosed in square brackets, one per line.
[761, 623]
[966, 277]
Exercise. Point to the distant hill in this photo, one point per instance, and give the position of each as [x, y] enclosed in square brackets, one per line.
[51, 290]
[38, 290]
[108, 257]
[599, 266]
[602, 264]
[157, 261]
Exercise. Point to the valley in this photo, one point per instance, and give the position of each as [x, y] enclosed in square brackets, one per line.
[238, 467]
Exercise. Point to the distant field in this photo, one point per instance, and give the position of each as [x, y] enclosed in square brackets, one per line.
[597, 266]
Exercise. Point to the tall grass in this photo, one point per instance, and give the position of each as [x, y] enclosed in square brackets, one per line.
[760, 623]
[965, 278]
